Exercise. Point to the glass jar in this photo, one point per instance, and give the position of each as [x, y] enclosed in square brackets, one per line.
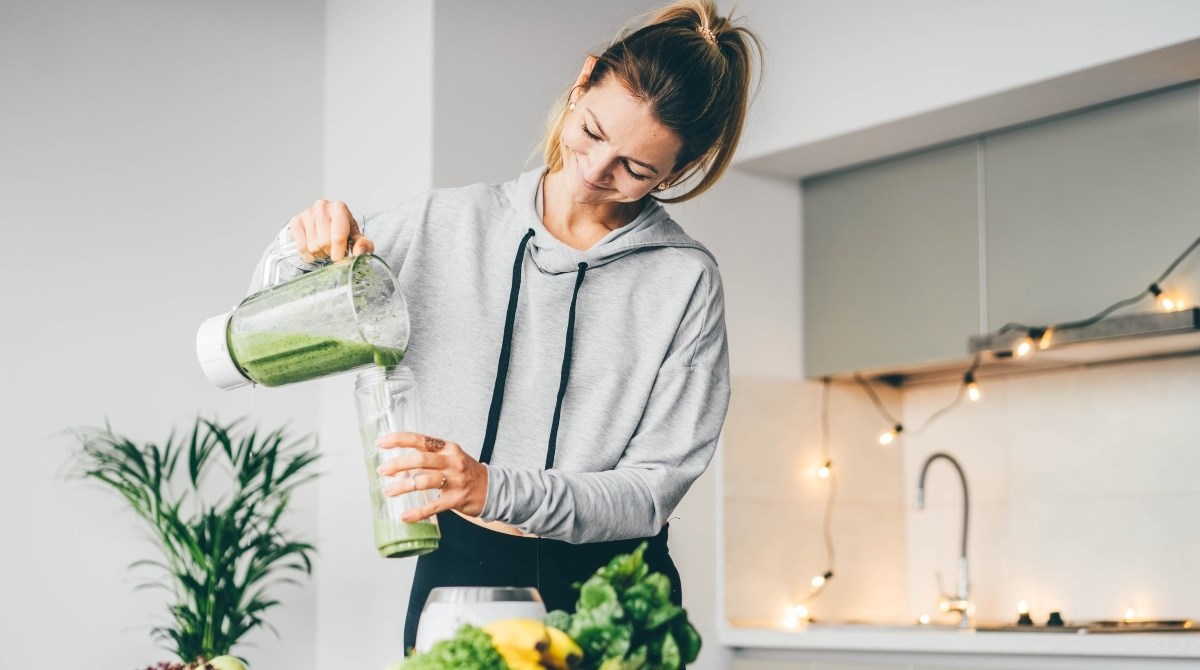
[387, 402]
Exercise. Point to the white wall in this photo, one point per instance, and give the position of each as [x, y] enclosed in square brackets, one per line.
[1083, 492]
[147, 149]
[838, 67]
[378, 152]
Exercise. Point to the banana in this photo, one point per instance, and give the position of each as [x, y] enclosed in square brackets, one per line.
[526, 634]
[564, 653]
[520, 658]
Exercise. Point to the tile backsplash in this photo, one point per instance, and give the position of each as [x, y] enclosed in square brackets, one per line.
[1084, 485]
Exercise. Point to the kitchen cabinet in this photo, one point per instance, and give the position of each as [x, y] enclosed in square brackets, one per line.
[1087, 209]
[891, 262]
[1049, 222]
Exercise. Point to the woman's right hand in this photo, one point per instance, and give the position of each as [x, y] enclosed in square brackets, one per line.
[327, 230]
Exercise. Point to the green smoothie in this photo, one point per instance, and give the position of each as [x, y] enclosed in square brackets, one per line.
[275, 359]
[396, 539]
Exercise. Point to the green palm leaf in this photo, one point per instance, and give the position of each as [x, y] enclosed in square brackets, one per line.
[219, 559]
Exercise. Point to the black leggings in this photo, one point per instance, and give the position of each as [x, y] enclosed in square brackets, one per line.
[469, 555]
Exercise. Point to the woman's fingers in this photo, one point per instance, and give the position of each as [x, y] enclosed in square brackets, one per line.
[339, 229]
[412, 461]
[414, 441]
[299, 236]
[327, 230]
[428, 480]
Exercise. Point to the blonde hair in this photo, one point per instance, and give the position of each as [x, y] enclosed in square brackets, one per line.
[696, 70]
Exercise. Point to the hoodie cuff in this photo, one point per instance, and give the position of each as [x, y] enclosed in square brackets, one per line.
[510, 496]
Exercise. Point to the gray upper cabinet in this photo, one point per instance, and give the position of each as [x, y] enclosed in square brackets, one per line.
[1088, 209]
[891, 263]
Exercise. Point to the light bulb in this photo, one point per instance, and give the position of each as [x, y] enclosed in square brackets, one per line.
[890, 436]
[800, 612]
[1024, 346]
[1022, 607]
[924, 619]
[1047, 338]
[823, 472]
[973, 391]
[1166, 303]
[1130, 615]
[818, 581]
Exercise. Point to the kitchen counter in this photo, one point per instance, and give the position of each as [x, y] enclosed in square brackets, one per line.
[918, 640]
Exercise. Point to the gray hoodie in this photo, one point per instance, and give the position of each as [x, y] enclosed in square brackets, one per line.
[617, 375]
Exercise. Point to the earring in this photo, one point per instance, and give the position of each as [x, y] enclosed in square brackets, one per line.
[662, 186]
[571, 107]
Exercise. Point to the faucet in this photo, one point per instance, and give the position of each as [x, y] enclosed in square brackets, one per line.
[960, 601]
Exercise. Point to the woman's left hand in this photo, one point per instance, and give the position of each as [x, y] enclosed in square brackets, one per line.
[443, 466]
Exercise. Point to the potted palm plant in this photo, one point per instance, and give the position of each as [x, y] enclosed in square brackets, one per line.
[220, 559]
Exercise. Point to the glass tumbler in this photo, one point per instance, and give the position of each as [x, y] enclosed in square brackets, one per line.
[387, 402]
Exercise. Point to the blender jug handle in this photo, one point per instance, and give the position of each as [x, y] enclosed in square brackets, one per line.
[284, 249]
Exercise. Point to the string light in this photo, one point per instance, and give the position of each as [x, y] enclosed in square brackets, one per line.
[890, 436]
[799, 612]
[1023, 347]
[1154, 290]
[972, 386]
[1047, 338]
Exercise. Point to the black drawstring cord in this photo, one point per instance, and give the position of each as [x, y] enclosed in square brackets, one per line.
[493, 424]
[566, 369]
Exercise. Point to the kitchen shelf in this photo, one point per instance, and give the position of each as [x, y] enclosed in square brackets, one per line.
[867, 638]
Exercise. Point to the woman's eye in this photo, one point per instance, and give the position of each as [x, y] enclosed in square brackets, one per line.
[639, 177]
[589, 133]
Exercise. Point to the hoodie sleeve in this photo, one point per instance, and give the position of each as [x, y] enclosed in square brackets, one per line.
[671, 447]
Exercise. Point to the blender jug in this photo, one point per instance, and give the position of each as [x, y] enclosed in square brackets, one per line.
[345, 315]
[387, 402]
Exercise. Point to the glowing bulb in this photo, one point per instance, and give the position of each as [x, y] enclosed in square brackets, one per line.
[944, 605]
[823, 473]
[1130, 614]
[789, 622]
[800, 612]
[1024, 346]
[1047, 338]
[890, 436]
[924, 619]
[973, 391]
[1022, 607]
[1166, 303]
[818, 581]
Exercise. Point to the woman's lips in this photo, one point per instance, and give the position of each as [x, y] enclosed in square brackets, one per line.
[587, 184]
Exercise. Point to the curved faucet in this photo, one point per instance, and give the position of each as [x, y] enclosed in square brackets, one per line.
[961, 600]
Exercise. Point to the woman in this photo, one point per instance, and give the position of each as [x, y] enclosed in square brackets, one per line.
[568, 336]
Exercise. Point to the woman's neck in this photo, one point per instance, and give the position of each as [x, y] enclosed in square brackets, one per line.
[580, 225]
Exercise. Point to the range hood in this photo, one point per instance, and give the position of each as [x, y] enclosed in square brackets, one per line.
[1119, 338]
[1111, 340]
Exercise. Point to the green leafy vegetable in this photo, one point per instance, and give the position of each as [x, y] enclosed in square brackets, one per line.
[625, 620]
[469, 648]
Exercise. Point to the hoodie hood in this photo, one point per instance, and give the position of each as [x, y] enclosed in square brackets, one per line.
[653, 227]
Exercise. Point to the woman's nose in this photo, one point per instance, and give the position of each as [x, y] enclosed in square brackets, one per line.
[599, 168]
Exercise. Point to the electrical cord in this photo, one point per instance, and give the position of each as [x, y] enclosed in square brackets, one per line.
[1153, 290]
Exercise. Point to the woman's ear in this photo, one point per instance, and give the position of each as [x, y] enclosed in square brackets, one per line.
[585, 76]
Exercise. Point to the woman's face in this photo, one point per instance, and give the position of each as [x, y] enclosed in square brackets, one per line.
[613, 148]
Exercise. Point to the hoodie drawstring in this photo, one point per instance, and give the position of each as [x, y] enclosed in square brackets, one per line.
[493, 424]
[566, 369]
